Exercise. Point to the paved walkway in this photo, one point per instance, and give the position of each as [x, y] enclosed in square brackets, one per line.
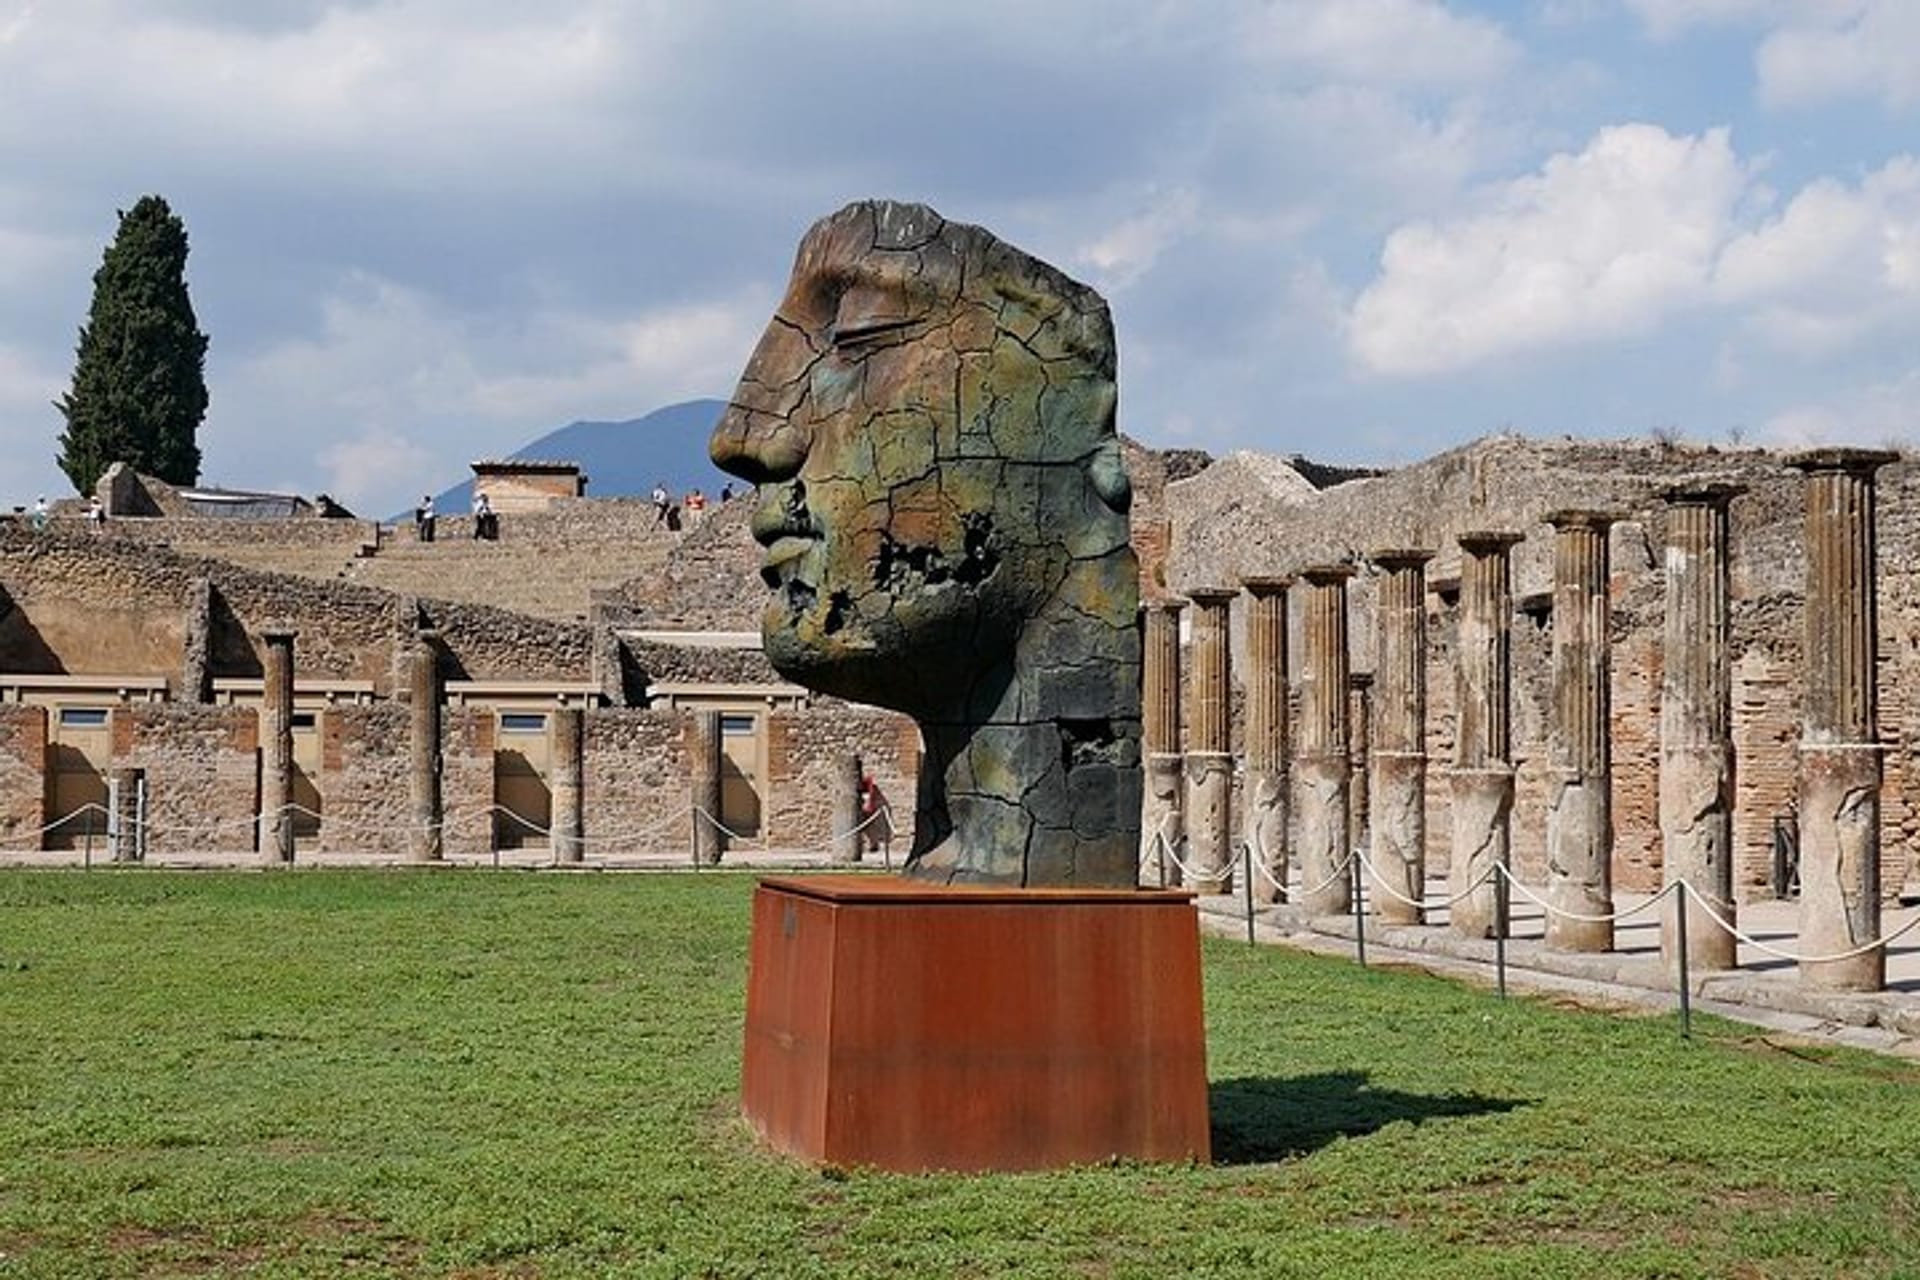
[1765, 990]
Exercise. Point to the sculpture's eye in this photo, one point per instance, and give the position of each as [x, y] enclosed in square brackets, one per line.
[868, 313]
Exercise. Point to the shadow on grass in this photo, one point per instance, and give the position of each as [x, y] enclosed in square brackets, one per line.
[1259, 1119]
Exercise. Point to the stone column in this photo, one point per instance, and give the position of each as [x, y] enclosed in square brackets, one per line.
[1209, 764]
[709, 842]
[1265, 789]
[1323, 766]
[1360, 748]
[1696, 724]
[568, 783]
[1580, 735]
[1482, 776]
[1839, 743]
[1397, 848]
[424, 838]
[848, 836]
[1163, 814]
[276, 746]
[127, 844]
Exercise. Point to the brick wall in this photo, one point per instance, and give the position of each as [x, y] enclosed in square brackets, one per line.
[636, 782]
[365, 798]
[466, 779]
[804, 754]
[203, 773]
[23, 775]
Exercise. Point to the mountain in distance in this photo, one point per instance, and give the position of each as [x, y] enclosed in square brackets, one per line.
[625, 459]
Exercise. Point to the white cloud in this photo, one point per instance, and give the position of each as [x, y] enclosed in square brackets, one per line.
[1875, 53]
[1389, 42]
[1881, 413]
[373, 473]
[1666, 19]
[1129, 249]
[1598, 244]
[27, 387]
[1838, 262]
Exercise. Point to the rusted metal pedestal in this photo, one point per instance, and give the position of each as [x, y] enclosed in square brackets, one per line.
[910, 1026]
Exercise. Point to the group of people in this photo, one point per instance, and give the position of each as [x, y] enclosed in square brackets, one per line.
[42, 514]
[668, 514]
[486, 521]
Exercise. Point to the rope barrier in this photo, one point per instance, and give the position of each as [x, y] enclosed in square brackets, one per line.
[1564, 914]
[1861, 950]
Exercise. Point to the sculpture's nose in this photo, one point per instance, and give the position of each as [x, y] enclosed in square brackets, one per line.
[762, 437]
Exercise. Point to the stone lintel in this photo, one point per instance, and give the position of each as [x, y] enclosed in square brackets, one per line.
[1390, 558]
[1266, 584]
[1583, 518]
[1204, 596]
[1327, 575]
[1487, 541]
[1360, 680]
[1164, 604]
[1841, 458]
[279, 633]
[1702, 491]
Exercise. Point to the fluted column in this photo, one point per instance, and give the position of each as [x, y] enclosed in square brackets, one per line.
[1209, 766]
[1482, 776]
[848, 835]
[1323, 766]
[1163, 813]
[568, 781]
[276, 746]
[705, 753]
[1397, 847]
[1839, 743]
[1267, 747]
[1580, 736]
[424, 842]
[1696, 724]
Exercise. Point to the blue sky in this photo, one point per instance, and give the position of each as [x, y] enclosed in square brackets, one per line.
[427, 230]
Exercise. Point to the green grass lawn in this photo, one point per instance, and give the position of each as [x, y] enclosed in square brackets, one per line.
[324, 1073]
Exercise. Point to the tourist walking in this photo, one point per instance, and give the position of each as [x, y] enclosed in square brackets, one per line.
[661, 502]
[423, 518]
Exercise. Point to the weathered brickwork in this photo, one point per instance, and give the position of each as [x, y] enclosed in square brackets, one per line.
[635, 790]
[23, 775]
[467, 741]
[203, 773]
[363, 780]
[804, 751]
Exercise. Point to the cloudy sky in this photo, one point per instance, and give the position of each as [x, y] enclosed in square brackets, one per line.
[427, 230]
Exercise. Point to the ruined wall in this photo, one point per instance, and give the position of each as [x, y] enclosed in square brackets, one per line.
[804, 752]
[363, 780]
[23, 776]
[636, 786]
[203, 773]
[467, 740]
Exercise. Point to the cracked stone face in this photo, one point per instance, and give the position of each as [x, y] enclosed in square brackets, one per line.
[929, 420]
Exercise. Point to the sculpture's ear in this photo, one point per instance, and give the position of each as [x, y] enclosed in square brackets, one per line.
[1108, 471]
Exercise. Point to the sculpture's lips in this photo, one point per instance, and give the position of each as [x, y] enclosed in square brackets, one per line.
[784, 551]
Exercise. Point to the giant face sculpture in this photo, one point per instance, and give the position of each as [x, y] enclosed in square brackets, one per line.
[929, 419]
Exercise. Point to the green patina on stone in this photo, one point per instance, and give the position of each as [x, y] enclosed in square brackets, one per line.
[930, 420]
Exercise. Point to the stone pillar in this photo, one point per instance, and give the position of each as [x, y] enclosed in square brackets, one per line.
[1360, 747]
[1265, 788]
[1397, 847]
[1482, 776]
[1323, 765]
[1209, 764]
[1580, 735]
[424, 837]
[1696, 723]
[568, 783]
[1163, 813]
[1839, 743]
[848, 836]
[709, 842]
[276, 746]
[127, 785]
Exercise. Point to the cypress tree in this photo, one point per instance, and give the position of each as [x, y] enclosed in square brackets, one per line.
[139, 379]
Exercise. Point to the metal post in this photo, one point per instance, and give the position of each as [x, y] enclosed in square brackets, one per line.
[1247, 863]
[1161, 853]
[1686, 992]
[140, 817]
[86, 861]
[1500, 926]
[1359, 910]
